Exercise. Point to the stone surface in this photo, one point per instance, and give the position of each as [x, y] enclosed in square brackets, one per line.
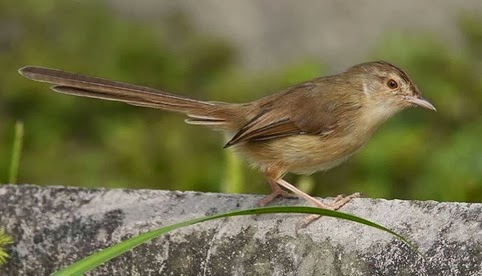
[55, 226]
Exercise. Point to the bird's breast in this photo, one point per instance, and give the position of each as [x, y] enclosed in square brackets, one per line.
[302, 154]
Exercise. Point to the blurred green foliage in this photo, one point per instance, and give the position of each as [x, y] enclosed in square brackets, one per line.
[84, 142]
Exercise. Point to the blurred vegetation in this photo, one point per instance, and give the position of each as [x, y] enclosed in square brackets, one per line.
[84, 142]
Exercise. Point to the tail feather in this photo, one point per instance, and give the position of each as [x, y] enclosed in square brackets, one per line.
[129, 99]
[204, 120]
[200, 112]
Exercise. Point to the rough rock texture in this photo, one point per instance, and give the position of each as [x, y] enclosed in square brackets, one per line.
[55, 226]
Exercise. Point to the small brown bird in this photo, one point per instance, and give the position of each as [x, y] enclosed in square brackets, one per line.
[309, 127]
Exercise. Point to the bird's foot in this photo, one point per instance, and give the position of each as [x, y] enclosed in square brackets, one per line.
[335, 205]
[276, 191]
[339, 202]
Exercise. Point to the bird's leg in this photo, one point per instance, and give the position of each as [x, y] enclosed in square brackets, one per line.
[275, 192]
[335, 205]
[302, 194]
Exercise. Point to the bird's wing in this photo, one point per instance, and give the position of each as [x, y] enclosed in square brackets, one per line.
[299, 115]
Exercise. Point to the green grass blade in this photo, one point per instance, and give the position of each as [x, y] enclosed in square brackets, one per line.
[16, 152]
[5, 241]
[107, 254]
[234, 181]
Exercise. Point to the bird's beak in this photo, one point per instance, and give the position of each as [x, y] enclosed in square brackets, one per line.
[419, 101]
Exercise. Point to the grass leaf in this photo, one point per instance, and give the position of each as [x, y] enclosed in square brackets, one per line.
[16, 152]
[107, 254]
[5, 240]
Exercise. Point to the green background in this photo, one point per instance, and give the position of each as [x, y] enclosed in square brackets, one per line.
[83, 142]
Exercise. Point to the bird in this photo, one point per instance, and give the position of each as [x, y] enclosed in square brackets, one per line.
[309, 127]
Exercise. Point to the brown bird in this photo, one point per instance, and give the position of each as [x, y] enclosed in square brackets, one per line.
[309, 127]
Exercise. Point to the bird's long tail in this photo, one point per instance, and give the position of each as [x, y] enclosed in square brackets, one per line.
[216, 114]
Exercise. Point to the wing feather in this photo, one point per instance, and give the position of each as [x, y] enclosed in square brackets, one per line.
[273, 121]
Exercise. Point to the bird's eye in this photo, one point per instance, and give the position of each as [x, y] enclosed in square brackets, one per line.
[392, 84]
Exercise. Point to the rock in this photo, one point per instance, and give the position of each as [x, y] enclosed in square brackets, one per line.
[55, 226]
